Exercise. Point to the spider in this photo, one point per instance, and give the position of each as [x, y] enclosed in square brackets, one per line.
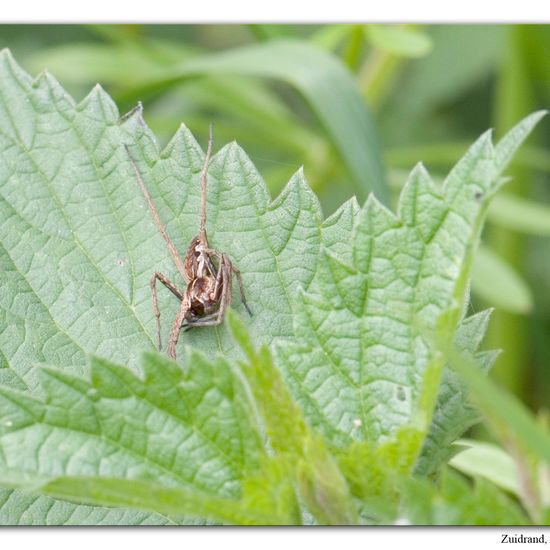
[209, 283]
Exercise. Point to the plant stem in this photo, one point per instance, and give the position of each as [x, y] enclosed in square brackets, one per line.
[509, 331]
[376, 75]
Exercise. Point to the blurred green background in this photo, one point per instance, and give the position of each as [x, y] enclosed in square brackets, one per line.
[357, 106]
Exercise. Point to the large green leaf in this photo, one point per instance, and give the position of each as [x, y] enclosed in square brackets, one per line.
[175, 442]
[78, 246]
[77, 249]
[247, 106]
[360, 362]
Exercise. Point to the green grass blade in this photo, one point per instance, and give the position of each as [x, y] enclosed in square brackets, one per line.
[489, 461]
[499, 284]
[399, 40]
[519, 214]
[501, 408]
[329, 89]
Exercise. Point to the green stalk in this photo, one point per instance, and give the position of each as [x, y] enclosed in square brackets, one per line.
[507, 330]
[377, 74]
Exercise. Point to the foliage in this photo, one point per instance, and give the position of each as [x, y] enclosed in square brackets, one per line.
[318, 409]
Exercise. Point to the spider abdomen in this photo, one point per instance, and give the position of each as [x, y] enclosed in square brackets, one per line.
[202, 296]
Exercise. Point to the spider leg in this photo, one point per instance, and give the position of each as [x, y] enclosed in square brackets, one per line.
[172, 288]
[221, 276]
[225, 285]
[210, 264]
[156, 217]
[224, 258]
[241, 288]
[176, 328]
[206, 321]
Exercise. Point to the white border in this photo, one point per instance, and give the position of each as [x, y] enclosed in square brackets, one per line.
[292, 12]
[282, 11]
[167, 538]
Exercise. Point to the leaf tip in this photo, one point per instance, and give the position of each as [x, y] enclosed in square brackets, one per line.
[99, 102]
[420, 171]
[181, 142]
[8, 63]
[6, 56]
[418, 175]
[298, 192]
[354, 204]
[347, 211]
[380, 216]
[301, 173]
[512, 140]
[536, 116]
[231, 150]
[47, 81]
[133, 115]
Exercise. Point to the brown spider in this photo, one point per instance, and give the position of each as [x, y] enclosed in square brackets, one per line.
[208, 292]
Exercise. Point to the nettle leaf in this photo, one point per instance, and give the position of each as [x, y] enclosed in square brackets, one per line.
[453, 413]
[19, 508]
[78, 245]
[361, 363]
[218, 437]
[175, 442]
